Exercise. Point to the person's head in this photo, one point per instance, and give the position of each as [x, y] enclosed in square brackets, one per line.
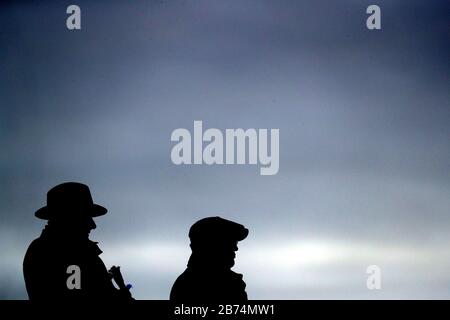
[215, 240]
[70, 209]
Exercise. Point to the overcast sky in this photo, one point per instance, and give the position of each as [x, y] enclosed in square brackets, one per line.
[364, 119]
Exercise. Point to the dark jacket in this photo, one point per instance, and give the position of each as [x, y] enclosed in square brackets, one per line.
[46, 263]
[202, 283]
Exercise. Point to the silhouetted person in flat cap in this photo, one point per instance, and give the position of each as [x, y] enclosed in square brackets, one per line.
[208, 277]
[63, 264]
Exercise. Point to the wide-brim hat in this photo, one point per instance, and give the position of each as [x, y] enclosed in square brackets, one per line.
[70, 198]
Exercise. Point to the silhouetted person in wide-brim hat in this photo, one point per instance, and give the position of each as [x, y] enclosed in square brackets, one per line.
[208, 277]
[63, 264]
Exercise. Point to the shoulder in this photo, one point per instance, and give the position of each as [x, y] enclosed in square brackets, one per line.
[39, 253]
[182, 278]
[35, 247]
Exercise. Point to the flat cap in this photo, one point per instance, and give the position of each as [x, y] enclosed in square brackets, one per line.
[217, 229]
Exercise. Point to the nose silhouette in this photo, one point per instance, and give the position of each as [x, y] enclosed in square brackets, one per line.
[91, 224]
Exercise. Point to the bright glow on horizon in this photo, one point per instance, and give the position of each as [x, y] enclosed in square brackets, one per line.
[293, 268]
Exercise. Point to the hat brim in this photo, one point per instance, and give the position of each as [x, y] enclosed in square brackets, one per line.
[242, 234]
[46, 213]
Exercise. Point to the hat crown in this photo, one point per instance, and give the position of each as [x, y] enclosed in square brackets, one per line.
[69, 195]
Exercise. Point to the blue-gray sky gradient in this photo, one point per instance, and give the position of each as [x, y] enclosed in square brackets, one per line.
[364, 123]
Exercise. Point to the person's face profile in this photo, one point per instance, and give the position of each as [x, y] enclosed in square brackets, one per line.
[78, 225]
[227, 252]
